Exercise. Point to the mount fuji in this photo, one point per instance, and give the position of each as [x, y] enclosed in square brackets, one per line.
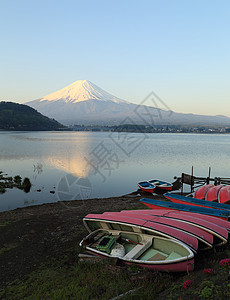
[82, 102]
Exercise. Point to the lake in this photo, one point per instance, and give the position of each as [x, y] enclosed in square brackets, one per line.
[81, 165]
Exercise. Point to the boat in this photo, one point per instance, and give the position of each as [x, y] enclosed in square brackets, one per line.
[117, 221]
[201, 192]
[204, 238]
[224, 195]
[159, 204]
[146, 186]
[206, 221]
[130, 244]
[196, 202]
[212, 193]
[217, 227]
[162, 185]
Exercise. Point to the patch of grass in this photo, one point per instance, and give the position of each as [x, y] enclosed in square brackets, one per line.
[69, 278]
[5, 224]
[76, 282]
[7, 248]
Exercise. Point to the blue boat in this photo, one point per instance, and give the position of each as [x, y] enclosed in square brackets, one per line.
[196, 202]
[159, 204]
[162, 185]
[146, 186]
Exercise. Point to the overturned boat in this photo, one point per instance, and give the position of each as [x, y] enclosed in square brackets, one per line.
[212, 193]
[218, 228]
[159, 204]
[175, 198]
[202, 191]
[224, 195]
[205, 239]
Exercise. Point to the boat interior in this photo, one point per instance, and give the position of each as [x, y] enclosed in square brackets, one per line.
[146, 184]
[159, 183]
[139, 246]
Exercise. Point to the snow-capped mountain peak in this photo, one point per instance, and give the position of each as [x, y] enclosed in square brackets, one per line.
[82, 102]
[79, 91]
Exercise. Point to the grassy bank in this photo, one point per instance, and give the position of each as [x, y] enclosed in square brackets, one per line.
[69, 278]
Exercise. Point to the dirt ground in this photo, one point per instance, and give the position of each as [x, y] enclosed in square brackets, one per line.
[33, 235]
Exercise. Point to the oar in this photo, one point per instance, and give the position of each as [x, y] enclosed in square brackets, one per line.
[130, 241]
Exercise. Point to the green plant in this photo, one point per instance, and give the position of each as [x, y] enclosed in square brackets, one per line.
[5, 224]
[18, 179]
[2, 190]
[206, 292]
[7, 248]
[26, 185]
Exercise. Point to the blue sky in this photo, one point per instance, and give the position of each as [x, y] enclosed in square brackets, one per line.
[178, 49]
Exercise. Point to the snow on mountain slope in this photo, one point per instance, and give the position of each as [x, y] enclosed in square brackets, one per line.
[81, 90]
[81, 101]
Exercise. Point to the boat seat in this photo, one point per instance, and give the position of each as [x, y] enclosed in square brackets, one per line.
[153, 254]
[173, 255]
[138, 250]
[157, 257]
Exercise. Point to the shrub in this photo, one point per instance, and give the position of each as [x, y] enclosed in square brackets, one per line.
[224, 262]
[208, 271]
[187, 284]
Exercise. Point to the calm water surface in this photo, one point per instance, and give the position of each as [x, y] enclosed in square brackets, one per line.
[81, 165]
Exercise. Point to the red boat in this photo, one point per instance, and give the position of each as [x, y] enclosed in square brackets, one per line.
[146, 186]
[205, 239]
[212, 193]
[224, 195]
[159, 229]
[135, 241]
[217, 227]
[175, 198]
[203, 210]
[201, 192]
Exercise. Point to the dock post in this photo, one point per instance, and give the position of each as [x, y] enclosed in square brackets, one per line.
[191, 182]
[209, 176]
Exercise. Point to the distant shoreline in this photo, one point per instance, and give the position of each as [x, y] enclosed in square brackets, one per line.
[102, 130]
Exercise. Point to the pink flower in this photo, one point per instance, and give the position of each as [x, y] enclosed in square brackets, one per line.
[187, 284]
[224, 262]
[208, 271]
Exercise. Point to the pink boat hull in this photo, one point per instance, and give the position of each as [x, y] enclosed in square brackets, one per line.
[173, 267]
[201, 234]
[170, 267]
[212, 193]
[161, 229]
[201, 192]
[217, 225]
[224, 195]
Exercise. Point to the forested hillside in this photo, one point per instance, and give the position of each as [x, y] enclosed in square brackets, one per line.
[14, 116]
